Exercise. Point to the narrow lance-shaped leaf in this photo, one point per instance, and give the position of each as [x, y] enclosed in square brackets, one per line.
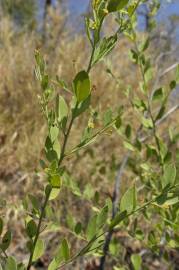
[104, 48]
[40, 62]
[118, 218]
[65, 250]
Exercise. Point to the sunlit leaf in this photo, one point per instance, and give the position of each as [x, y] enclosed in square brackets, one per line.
[39, 250]
[129, 200]
[136, 261]
[81, 85]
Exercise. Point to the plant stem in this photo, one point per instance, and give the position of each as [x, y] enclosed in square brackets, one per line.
[38, 230]
[91, 59]
[115, 201]
[66, 136]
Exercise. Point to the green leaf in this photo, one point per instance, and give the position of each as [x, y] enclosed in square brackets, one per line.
[158, 94]
[102, 217]
[78, 228]
[129, 200]
[82, 107]
[63, 254]
[160, 113]
[116, 5]
[55, 180]
[91, 228]
[136, 261]
[35, 203]
[6, 240]
[57, 148]
[40, 62]
[107, 117]
[81, 86]
[145, 45]
[129, 146]
[128, 131]
[173, 84]
[88, 191]
[177, 74]
[39, 250]
[54, 193]
[118, 219]
[31, 228]
[45, 81]
[61, 110]
[134, 56]
[169, 175]
[65, 250]
[54, 131]
[1, 226]
[147, 123]
[11, 264]
[53, 265]
[104, 48]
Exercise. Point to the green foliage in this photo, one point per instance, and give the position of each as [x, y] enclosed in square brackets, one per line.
[81, 85]
[104, 48]
[152, 165]
[136, 261]
[129, 201]
[31, 228]
[11, 264]
[6, 240]
[38, 250]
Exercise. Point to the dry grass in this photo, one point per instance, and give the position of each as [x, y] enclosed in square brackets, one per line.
[22, 127]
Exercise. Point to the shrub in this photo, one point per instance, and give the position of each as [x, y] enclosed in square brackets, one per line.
[153, 191]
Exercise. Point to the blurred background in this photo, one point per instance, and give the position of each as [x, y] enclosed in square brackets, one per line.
[56, 27]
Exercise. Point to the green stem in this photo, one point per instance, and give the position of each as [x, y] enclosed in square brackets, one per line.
[38, 230]
[48, 195]
[62, 156]
[149, 106]
[66, 135]
[91, 59]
